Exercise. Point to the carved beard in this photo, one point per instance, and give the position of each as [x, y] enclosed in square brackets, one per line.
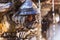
[18, 19]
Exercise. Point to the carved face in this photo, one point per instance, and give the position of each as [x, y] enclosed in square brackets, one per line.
[29, 18]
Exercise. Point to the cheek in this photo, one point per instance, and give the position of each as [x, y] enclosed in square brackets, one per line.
[30, 18]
